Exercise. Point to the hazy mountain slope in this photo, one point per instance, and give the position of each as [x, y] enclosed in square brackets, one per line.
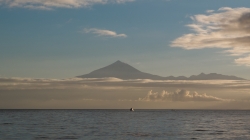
[124, 71]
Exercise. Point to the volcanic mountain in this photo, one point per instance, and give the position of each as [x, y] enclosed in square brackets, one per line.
[122, 70]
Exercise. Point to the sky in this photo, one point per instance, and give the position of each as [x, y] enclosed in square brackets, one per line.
[46, 43]
[64, 39]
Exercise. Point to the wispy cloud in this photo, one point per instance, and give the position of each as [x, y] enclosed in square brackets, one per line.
[210, 11]
[179, 95]
[50, 4]
[101, 32]
[227, 28]
[115, 83]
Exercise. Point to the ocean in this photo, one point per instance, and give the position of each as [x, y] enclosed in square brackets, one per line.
[124, 125]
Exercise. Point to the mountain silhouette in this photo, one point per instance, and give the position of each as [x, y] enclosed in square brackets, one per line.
[122, 70]
[213, 76]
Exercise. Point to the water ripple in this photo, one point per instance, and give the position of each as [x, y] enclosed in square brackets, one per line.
[122, 124]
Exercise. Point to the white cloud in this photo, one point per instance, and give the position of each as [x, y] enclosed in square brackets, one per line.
[50, 4]
[243, 61]
[227, 28]
[101, 32]
[179, 95]
[210, 11]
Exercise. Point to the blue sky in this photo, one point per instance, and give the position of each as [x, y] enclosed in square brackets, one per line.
[55, 39]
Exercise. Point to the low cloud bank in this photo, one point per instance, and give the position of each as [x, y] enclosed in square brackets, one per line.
[179, 95]
[115, 83]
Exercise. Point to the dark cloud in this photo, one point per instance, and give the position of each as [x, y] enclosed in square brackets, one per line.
[244, 21]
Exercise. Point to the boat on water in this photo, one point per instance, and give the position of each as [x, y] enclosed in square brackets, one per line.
[131, 109]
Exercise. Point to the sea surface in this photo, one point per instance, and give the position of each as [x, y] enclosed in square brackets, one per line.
[123, 124]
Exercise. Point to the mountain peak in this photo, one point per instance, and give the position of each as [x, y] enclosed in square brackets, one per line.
[118, 61]
[120, 70]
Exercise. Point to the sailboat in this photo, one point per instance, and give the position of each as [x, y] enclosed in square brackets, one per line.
[131, 109]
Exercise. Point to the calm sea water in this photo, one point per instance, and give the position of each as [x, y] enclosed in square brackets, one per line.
[123, 124]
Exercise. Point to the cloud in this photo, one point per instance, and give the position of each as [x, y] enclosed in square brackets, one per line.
[243, 61]
[227, 28]
[110, 92]
[179, 95]
[210, 11]
[100, 32]
[115, 83]
[50, 4]
[17, 83]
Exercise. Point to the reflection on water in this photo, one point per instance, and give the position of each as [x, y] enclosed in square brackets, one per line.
[123, 124]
